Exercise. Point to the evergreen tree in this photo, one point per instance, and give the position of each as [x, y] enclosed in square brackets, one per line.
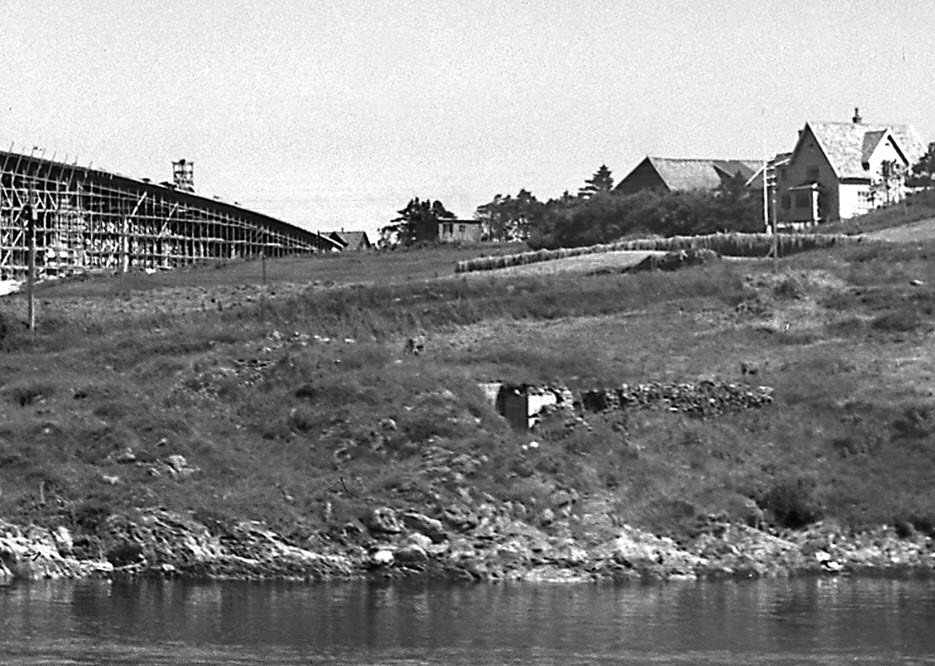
[601, 181]
[417, 222]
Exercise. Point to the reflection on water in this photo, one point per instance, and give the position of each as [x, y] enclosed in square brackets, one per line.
[820, 621]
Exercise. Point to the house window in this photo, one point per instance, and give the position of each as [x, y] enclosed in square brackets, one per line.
[462, 228]
[447, 228]
[786, 202]
[802, 200]
[811, 173]
[783, 174]
[865, 199]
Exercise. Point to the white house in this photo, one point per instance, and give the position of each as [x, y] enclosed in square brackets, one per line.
[839, 170]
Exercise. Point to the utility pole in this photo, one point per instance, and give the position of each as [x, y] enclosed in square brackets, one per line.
[775, 195]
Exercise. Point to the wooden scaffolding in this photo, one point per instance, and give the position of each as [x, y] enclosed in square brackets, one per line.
[88, 220]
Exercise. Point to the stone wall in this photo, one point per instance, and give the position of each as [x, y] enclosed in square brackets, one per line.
[524, 405]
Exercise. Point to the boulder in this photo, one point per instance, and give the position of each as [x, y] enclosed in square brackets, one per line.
[382, 557]
[63, 540]
[178, 466]
[421, 523]
[411, 554]
[417, 539]
[382, 519]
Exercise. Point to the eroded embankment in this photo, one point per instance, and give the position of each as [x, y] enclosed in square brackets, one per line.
[461, 543]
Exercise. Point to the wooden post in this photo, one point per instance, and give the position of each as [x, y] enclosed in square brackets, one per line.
[31, 270]
[263, 256]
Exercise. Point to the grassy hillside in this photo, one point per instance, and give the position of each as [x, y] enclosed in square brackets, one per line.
[918, 206]
[301, 409]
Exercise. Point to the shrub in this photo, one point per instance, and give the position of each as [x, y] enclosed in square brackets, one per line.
[30, 394]
[915, 422]
[792, 502]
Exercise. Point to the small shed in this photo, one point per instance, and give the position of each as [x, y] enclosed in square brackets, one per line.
[460, 231]
[523, 405]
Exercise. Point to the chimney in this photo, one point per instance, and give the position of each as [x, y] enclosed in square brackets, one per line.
[183, 176]
[856, 117]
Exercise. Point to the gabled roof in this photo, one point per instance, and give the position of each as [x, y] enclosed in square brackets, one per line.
[849, 145]
[699, 173]
[353, 239]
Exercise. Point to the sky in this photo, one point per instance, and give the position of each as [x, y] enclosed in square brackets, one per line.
[331, 114]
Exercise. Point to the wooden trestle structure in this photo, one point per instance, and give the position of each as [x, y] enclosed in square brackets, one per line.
[88, 220]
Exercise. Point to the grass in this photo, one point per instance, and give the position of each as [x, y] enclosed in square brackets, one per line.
[397, 266]
[306, 434]
[917, 206]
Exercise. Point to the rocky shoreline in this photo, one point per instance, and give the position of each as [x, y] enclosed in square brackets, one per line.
[484, 544]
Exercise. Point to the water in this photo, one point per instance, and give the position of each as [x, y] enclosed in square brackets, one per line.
[805, 621]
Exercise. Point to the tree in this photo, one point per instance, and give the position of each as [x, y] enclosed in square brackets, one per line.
[888, 186]
[510, 218]
[923, 172]
[417, 222]
[601, 181]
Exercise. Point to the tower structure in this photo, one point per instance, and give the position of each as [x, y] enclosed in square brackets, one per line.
[183, 175]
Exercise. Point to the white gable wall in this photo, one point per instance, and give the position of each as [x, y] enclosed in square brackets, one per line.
[853, 199]
[886, 152]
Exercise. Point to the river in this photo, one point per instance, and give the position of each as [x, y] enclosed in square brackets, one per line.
[798, 621]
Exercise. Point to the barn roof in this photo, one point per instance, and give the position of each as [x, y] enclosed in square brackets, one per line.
[353, 239]
[700, 173]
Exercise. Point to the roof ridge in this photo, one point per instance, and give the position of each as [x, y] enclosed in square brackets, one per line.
[706, 159]
[867, 126]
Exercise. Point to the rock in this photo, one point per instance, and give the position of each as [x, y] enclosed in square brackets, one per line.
[178, 466]
[32, 554]
[546, 517]
[110, 479]
[125, 457]
[570, 553]
[460, 517]
[125, 554]
[671, 261]
[416, 539]
[423, 524]
[382, 519]
[411, 554]
[382, 558]
[704, 398]
[63, 540]
[415, 345]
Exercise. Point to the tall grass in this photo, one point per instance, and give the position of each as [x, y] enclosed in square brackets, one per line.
[731, 245]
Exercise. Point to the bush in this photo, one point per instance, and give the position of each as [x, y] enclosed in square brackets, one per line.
[30, 394]
[792, 502]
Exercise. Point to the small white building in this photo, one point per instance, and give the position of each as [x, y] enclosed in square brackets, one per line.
[460, 231]
[839, 170]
